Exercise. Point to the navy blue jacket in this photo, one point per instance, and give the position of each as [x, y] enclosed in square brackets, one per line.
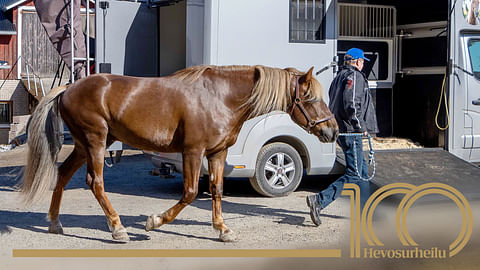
[351, 102]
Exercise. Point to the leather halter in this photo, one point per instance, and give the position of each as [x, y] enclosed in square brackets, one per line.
[298, 102]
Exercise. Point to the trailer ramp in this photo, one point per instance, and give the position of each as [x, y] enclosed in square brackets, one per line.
[425, 165]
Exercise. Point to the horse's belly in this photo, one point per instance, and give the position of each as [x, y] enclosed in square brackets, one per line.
[145, 136]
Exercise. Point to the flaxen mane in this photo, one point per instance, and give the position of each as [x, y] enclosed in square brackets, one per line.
[192, 74]
[271, 91]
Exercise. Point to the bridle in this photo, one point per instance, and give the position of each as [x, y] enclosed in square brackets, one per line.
[297, 102]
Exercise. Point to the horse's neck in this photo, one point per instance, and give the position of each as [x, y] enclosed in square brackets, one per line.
[241, 89]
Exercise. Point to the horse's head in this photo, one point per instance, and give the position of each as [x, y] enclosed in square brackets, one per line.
[309, 110]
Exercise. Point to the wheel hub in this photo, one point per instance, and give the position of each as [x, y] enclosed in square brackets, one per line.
[279, 170]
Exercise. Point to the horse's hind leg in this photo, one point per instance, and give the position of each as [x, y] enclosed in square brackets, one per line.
[216, 164]
[95, 160]
[65, 173]
[191, 173]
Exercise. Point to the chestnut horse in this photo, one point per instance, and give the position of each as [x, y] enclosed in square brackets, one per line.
[197, 111]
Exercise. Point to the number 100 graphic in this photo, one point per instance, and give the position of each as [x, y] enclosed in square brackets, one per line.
[361, 221]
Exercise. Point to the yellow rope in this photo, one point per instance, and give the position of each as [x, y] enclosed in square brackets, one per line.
[443, 93]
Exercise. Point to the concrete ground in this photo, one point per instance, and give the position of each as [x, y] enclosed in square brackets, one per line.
[259, 222]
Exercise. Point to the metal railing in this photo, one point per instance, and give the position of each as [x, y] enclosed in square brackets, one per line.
[366, 21]
[87, 59]
[32, 76]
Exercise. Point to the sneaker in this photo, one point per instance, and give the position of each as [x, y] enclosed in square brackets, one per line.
[315, 209]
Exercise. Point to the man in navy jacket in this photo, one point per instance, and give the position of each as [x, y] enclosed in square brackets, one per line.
[352, 105]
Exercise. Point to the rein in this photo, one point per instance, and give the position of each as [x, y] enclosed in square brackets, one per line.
[298, 103]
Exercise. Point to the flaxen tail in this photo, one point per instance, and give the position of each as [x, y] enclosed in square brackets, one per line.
[44, 143]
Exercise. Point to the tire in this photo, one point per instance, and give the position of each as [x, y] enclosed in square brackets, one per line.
[272, 180]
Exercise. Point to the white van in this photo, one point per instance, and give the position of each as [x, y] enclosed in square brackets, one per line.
[272, 151]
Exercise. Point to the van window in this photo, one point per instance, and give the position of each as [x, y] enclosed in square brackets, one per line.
[306, 21]
[474, 52]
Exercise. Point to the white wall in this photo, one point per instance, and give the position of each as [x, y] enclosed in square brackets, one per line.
[251, 32]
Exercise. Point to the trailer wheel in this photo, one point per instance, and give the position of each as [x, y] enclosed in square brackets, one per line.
[278, 171]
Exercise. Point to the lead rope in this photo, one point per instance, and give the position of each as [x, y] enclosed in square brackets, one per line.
[371, 155]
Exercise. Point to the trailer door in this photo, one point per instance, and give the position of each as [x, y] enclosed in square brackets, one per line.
[126, 38]
[464, 131]
[471, 47]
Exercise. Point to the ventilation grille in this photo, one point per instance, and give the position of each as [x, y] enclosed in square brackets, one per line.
[366, 21]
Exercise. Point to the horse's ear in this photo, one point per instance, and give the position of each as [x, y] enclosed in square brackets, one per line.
[307, 77]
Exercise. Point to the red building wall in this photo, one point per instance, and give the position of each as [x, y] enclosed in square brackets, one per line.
[8, 51]
[8, 46]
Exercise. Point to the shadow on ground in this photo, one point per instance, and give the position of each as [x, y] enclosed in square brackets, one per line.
[37, 222]
[131, 177]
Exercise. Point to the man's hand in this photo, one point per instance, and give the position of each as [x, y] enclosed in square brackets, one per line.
[365, 133]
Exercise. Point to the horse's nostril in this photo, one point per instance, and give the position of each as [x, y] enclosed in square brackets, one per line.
[331, 134]
[328, 132]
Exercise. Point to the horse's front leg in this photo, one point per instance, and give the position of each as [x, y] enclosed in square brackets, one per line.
[192, 161]
[216, 164]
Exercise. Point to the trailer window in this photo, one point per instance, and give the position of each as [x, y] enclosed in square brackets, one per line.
[306, 20]
[474, 52]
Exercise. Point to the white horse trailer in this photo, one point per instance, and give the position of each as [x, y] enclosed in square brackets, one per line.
[137, 40]
[426, 56]
[464, 81]
[415, 47]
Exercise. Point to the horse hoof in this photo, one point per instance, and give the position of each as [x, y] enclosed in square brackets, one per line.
[55, 227]
[153, 222]
[121, 235]
[228, 236]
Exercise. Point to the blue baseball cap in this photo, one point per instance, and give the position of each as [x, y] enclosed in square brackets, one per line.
[355, 53]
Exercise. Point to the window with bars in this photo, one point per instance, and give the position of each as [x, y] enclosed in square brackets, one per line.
[307, 20]
[6, 112]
